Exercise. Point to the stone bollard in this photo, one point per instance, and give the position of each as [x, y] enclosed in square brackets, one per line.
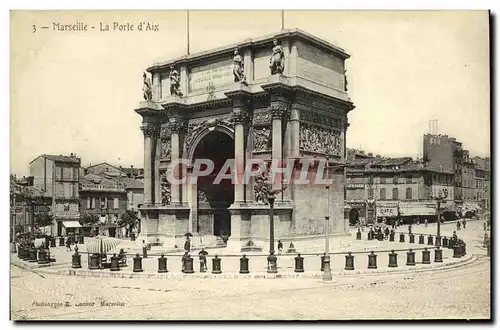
[372, 260]
[244, 265]
[456, 251]
[42, 258]
[426, 256]
[76, 260]
[323, 262]
[412, 238]
[137, 264]
[61, 241]
[144, 252]
[53, 242]
[26, 253]
[162, 264]
[438, 255]
[438, 241]
[393, 259]
[421, 239]
[202, 260]
[188, 265]
[19, 251]
[299, 264]
[391, 236]
[430, 240]
[94, 261]
[33, 255]
[401, 238]
[410, 258]
[358, 234]
[115, 266]
[272, 264]
[216, 267]
[445, 241]
[463, 248]
[349, 261]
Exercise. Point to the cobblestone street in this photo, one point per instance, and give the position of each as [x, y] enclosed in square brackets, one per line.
[462, 292]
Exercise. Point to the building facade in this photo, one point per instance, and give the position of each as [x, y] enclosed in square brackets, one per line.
[269, 99]
[105, 199]
[57, 178]
[394, 188]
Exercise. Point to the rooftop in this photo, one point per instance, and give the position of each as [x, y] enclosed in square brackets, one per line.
[60, 158]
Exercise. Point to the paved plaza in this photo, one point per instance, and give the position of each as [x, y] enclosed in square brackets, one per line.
[461, 291]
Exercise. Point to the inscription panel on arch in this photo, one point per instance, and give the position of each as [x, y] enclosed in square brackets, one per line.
[210, 77]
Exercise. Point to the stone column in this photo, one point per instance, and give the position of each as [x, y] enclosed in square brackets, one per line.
[240, 117]
[177, 127]
[150, 131]
[192, 201]
[278, 110]
[156, 172]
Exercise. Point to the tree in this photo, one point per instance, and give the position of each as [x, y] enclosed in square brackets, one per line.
[88, 220]
[129, 219]
[43, 219]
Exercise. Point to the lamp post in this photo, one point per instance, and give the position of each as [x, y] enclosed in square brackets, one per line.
[271, 259]
[327, 272]
[442, 194]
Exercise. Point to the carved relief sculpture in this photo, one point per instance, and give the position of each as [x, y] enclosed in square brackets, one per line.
[195, 127]
[261, 139]
[319, 140]
[278, 110]
[166, 195]
[238, 67]
[202, 197]
[261, 188]
[240, 117]
[147, 89]
[175, 82]
[166, 148]
[276, 62]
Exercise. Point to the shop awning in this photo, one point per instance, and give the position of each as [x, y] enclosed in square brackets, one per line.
[71, 224]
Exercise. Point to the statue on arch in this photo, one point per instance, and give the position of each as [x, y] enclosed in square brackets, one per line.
[238, 67]
[175, 82]
[147, 89]
[276, 62]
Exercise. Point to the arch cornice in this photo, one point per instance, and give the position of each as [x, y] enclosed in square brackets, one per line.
[200, 133]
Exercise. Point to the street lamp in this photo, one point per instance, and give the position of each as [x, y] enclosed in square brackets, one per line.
[441, 196]
[271, 259]
[327, 272]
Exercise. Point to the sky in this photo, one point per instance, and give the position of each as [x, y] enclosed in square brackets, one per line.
[77, 91]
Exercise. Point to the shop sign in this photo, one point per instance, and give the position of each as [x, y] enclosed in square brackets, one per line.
[416, 211]
[67, 215]
[387, 211]
[356, 205]
[355, 186]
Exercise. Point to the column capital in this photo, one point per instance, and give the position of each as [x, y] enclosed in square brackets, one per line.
[177, 126]
[240, 117]
[278, 110]
[150, 129]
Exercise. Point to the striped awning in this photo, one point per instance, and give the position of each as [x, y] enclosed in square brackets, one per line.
[101, 244]
[71, 224]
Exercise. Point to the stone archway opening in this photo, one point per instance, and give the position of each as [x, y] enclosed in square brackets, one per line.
[217, 146]
[353, 217]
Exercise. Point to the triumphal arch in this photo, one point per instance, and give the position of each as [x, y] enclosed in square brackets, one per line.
[280, 97]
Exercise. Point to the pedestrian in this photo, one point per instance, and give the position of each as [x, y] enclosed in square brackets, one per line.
[386, 232]
[187, 245]
[425, 222]
[463, 223]
[280, 247]
[68, 244]
[409, 229]
[458, 225]
[203, 258]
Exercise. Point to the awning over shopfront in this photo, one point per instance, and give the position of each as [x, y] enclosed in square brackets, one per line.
[71, 224]
[471, 207]
[387, 211]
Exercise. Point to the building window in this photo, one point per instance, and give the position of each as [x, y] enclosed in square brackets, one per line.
[88, 203]
[370, 193]
[395, 180]
[409, 179]
[409, 193]
[395, 193]
[382, 193]
[115, 203]
[103, 203]
[382, 180]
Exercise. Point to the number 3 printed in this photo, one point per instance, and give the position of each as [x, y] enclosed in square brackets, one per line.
[34, 28]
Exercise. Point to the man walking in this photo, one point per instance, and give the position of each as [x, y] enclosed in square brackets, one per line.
[187, 245]
[280, 247]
